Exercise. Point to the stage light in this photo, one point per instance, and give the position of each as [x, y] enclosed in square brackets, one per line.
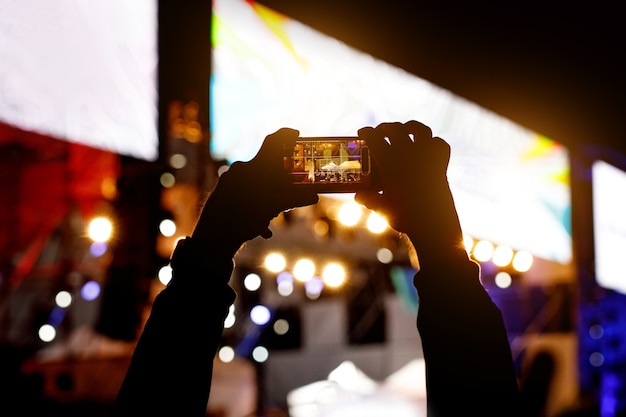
[275, 262]
[165, 274]
[226, 354]
[167, 227]
[483, 251]
[260, 315]
[384, 255]
[304, 270]
[334, 275]
[503, 279]
[100, 229]
[63, 299]
[281, 327]
[47, 333]
[522, 261]
[350, 213]
[376, 223]
[252, 282]
[260, 354]
[502, 255]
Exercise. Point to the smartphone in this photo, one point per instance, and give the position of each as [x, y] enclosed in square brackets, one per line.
[329, 164]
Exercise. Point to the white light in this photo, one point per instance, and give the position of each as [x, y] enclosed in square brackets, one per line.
[178, 160]
[313, 288]
[230, 319]
[285, 288]
[522, 261]
[334, 275]
[503, 280]
[275, 262]
[281, 327]
[260, 315]
[63, 299]
[304, 270]
[100, 229]
[47, 333]
[167, 180]
[350, 213]
[260, 354]
[483, 251]
[167, 227]
[468, 242]
[502, 255]
[376, 223]
[226, 354]
[384, 255]
[165, 274]
[252, 282]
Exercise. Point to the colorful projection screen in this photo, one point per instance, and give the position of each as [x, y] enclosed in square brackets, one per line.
[609, 225]
[511, 184]
[85, 72]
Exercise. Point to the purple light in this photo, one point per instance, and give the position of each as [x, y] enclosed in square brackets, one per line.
[284, 276]
[90, 291]
[98, 249]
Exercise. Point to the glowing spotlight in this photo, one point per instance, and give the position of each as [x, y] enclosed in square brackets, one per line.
[376, 223]
[350, 213]
[313, 288]
[47, 333]
[275, 262]
[252, 282]
[165, 274]
[334, 275]
[384, 255]
[483, 251]
[260, 354]
[522, 261]
[100, 229]
[260, 315]
[304, 270]
[167, 227]
[90, 291]
[226, 354]
[502, 255]
[503, 280]
[281, 327]
[63, 299]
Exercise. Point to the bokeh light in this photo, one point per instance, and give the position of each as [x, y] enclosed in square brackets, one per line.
[231, 318]
[165, 274]
[252, 282]
[47, 333]
[503, 279]
[304, 270]
[260, 315]
[483, 250]
[260, 354]
[314, 287]
[522, 261]
[384, 255]
[63, 299]
[100, 229]
[226, 354]
[90, 290]
[97, 249]
[502, 255]
[281, 327]
[334, 275]
[167, 227]
[376, 223]
[275, 262]
[350, 213]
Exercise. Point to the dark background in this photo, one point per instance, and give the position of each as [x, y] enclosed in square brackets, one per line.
[556, 69]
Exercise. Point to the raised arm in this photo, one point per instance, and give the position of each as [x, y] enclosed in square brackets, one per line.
[170, 372]
[469, 368]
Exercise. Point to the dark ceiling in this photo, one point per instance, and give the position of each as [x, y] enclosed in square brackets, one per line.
[556, 70]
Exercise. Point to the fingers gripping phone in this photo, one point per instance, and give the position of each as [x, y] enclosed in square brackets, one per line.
[329, 164]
